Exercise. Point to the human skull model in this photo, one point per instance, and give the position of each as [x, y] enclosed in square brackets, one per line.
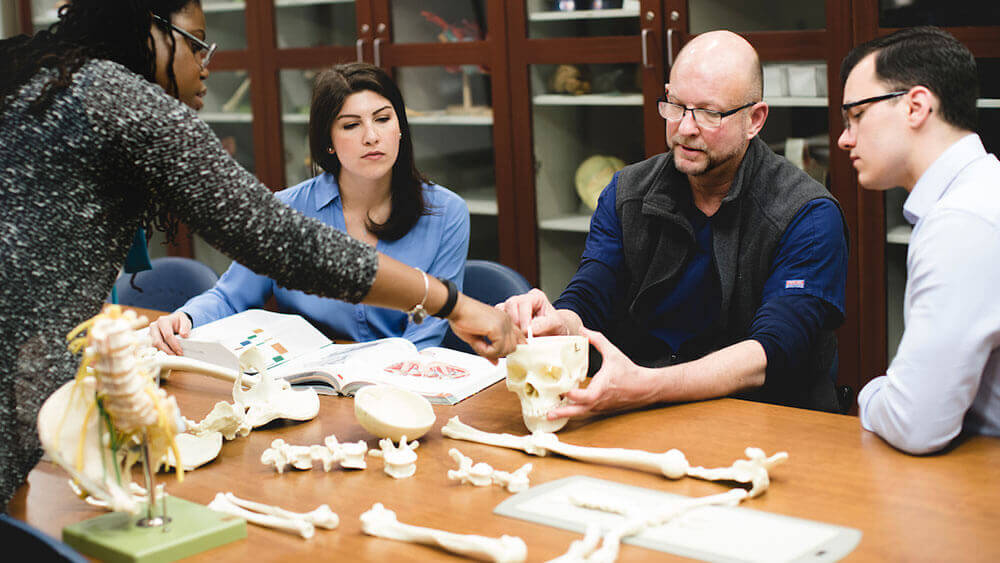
[541, 372]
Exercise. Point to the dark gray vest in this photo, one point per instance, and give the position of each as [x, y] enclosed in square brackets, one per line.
[658, 241]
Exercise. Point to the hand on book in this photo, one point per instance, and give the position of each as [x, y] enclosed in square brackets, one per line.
[488, 330]
[164, 331]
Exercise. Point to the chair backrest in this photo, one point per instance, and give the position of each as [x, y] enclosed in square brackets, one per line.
[172, 281]
[30, 542]
[491, 283]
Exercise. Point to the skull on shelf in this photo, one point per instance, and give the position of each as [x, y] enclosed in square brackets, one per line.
[541, 372]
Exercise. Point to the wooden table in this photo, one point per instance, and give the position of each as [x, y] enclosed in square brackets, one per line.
[935, 508]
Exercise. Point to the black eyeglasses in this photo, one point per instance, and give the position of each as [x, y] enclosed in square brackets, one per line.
[197, 45]
[848, 117]
[704, 117]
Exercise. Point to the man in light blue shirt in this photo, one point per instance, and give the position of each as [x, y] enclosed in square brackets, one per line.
[437, 244]
[909, 113]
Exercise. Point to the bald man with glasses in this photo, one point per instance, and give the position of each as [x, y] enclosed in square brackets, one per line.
[715, 269]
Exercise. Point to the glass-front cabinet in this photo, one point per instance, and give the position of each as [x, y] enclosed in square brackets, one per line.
[591, 71]
[447, 59]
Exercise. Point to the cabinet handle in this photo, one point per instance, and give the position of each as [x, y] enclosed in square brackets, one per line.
[359, 45]
[645, 50]
[670, 48]
[377, 48]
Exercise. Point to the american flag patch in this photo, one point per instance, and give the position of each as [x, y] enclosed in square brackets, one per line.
[800, 284]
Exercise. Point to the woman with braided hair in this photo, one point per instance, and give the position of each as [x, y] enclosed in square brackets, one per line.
[94, 143]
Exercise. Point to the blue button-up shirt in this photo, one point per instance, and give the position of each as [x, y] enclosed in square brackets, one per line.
[437, 244]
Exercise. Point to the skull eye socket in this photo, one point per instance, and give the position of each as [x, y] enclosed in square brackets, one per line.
[516, 372]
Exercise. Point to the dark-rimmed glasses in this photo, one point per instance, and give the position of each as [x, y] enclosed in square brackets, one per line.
[197, 45]
[848, 117]
[708, 118]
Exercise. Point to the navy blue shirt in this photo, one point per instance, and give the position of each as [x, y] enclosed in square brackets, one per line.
[805, 288]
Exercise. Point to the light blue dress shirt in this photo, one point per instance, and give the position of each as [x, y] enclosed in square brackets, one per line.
[438, 244]
[946, 373]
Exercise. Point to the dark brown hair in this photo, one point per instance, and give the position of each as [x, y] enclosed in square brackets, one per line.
[929, 57]
[331, 88]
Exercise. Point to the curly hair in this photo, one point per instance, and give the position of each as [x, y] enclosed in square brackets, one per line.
[114, 30]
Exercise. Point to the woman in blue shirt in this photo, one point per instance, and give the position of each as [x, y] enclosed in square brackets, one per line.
[371, 189]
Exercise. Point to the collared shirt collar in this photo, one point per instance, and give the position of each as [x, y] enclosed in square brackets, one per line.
[935, 181]
[326, 190]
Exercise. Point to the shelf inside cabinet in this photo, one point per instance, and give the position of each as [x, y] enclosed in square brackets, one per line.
[209, 7]
[588, 100]
[796, 101]
[481, 201]
[444, 118]
[298, 118]
[226, 117]
[296, 3]
[584, 14]
[571, 223]
[990, 103]
[900, 234]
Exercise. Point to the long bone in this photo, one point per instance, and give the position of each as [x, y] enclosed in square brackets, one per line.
[380, 521]
[671, 464]
[222, 504]
[321, 516]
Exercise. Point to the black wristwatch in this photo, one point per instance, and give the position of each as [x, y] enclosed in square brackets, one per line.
[449, 304]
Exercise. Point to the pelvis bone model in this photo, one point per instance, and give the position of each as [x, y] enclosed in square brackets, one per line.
[541, 372]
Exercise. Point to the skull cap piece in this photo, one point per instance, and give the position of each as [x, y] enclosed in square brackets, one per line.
[541, 372]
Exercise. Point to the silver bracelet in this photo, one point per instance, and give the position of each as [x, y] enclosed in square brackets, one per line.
[417, 314]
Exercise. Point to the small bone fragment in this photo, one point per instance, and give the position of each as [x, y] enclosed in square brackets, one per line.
[477, 474]
[227, 418]
[381, 522]
[482, 474]
[753, 470]
[352, 454]
[400, 461]
[221, 504]
[322, 516]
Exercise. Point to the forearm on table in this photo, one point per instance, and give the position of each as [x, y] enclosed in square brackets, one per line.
[736, 368]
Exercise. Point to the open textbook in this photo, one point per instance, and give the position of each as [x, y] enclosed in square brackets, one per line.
[299, 353]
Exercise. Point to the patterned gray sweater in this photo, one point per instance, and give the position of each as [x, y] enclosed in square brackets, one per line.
[73, 184]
